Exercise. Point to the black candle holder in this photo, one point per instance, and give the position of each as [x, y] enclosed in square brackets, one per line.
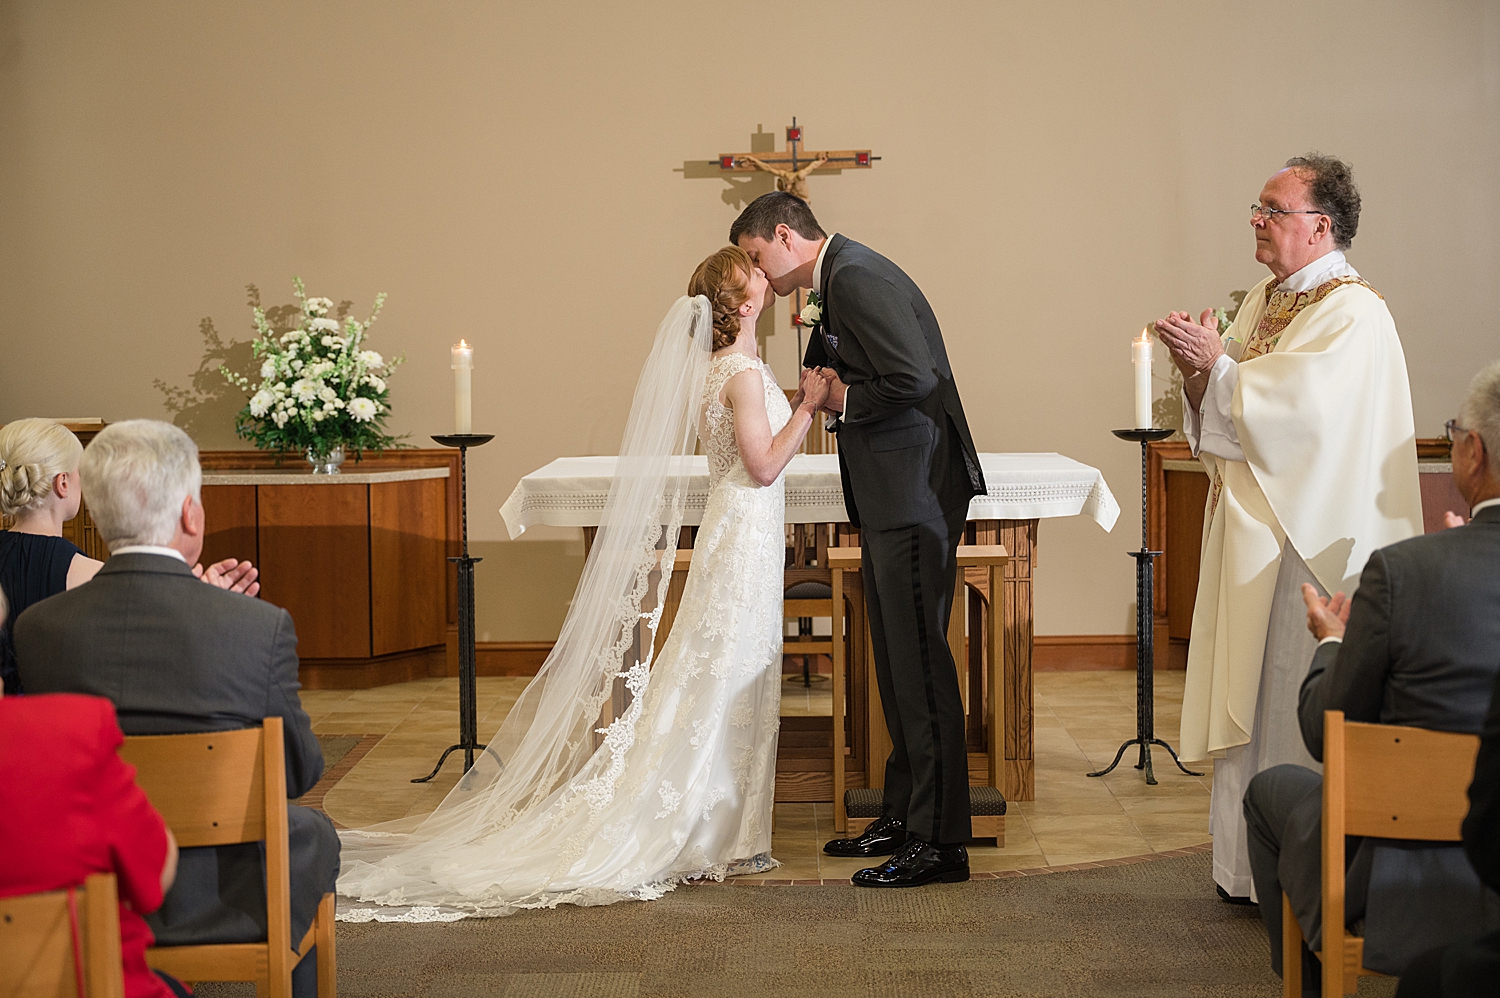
[468, 721]
[1145, 619]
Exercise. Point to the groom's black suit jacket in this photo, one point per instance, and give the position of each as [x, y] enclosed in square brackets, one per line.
[904, 444]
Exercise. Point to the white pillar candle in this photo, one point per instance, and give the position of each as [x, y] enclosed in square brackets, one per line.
[1140, 353]
[463, 363]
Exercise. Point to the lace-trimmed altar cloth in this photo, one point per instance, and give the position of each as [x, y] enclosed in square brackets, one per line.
[570, 491]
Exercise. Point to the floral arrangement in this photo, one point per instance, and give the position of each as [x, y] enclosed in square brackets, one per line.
[319, 389]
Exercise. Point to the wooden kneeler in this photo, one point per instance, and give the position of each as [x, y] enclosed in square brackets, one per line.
[223, 788]
[1381, 781]
[856, 808]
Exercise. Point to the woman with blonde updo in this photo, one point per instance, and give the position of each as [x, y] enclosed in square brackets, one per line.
[40, 491]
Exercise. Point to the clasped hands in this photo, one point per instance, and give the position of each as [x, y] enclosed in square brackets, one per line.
[235, 576]
[821, 388]
[1194, 346]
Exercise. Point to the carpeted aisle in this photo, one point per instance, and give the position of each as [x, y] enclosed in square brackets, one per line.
[1151, 928]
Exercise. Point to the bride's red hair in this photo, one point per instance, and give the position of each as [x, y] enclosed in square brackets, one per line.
[724, 279]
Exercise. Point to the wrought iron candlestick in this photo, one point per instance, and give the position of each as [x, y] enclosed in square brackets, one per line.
[1145, 619]
[468, 720]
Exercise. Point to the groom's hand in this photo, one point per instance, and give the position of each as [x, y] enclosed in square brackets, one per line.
[836, 391]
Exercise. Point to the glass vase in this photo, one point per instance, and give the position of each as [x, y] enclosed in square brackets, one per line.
[326, 462]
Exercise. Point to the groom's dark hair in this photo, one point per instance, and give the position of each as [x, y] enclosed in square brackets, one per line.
[761, 216]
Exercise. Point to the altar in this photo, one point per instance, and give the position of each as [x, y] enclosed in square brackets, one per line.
[1023, 489]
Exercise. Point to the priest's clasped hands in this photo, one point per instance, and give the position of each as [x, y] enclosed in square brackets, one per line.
[1194, 346]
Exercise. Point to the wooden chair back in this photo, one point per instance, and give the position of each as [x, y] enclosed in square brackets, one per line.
[63, 944]
[220, 788]
[1380, 781]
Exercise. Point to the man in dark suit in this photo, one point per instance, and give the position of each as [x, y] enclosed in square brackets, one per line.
[1418, 645]
[909, 469]
[175, 656]
[1470, 966]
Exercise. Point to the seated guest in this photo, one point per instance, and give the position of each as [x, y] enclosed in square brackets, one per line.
[177, 656]
[39, 489]
[1419, 649]
[69, 807]
[1470, 967]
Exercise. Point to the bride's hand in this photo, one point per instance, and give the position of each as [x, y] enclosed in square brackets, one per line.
[814, 389]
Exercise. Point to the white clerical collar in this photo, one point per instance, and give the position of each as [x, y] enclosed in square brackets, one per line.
[818, 266]
[1484, 505]
[1324, 268]
[149, 549]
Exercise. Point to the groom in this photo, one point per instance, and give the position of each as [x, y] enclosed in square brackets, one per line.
[909, 469]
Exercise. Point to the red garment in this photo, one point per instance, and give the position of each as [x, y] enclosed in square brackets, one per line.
[69, 807]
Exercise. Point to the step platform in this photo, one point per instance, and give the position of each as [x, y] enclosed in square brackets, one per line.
[986, 810]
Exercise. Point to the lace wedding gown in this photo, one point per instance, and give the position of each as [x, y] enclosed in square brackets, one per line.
[682, 786]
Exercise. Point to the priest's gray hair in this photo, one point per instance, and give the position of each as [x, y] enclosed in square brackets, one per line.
[1331, 189]
[1481, 412]
[136, 475]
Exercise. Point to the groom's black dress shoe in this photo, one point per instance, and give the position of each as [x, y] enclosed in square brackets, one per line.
[883, 837]
[917, 864]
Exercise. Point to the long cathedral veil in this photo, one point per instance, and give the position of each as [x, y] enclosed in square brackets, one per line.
[549, 735]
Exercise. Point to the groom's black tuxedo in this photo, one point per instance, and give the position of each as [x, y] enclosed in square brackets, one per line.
[904, 446]
[909, 469]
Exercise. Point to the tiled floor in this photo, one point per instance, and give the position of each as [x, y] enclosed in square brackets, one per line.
[1081, 719]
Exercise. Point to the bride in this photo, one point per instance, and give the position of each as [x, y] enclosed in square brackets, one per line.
[680, 787]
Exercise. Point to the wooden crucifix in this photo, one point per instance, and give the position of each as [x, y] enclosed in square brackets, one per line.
[791, 170]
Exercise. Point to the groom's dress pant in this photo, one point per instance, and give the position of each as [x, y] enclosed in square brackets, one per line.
[909, 575]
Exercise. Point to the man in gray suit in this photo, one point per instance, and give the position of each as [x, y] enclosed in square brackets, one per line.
[909, 469]
[1418, 645]
[175, 656]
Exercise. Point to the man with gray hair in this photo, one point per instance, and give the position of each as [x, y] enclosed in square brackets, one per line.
[1417, 645]
[1301, 415]
[176, 656]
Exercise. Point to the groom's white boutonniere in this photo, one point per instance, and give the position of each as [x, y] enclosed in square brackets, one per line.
[812, 312]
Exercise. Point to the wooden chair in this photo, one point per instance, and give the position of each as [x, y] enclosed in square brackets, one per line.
[63, 944]
[1381, 781]
[219, 789]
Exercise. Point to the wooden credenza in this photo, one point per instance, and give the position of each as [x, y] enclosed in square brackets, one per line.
[357, 558]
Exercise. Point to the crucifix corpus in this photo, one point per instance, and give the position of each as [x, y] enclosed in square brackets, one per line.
[791, 170]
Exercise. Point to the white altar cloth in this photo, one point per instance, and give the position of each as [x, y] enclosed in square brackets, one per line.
[570, 492]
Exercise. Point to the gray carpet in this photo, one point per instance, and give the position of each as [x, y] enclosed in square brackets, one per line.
[1151, 928]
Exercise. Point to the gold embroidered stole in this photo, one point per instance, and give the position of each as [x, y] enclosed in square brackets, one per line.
[1281, 308]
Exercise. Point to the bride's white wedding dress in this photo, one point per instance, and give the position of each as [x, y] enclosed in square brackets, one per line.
[681, 787]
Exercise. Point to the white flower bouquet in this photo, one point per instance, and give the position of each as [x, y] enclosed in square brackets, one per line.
[319, 388]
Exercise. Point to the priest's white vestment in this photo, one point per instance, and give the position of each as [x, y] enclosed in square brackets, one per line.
[1307, 435]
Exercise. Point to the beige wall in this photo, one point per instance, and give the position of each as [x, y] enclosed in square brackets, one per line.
[1054, 175]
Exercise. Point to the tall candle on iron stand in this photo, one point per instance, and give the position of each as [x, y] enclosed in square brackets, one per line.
[1140, 353]
[463, 364]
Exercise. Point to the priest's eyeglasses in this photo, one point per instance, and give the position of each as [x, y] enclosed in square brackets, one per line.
[1260, 212]
[1453, 430]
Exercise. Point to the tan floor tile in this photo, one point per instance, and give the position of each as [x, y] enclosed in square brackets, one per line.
[1079, 717]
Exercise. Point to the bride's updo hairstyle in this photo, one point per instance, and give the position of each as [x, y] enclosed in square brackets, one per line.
[33, 452]
[724, 279]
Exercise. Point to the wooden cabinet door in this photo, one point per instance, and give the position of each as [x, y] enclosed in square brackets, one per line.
[315, 562]
[229, 519]
[408, 564]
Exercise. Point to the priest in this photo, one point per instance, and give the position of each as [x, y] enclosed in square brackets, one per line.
[1301, 415]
